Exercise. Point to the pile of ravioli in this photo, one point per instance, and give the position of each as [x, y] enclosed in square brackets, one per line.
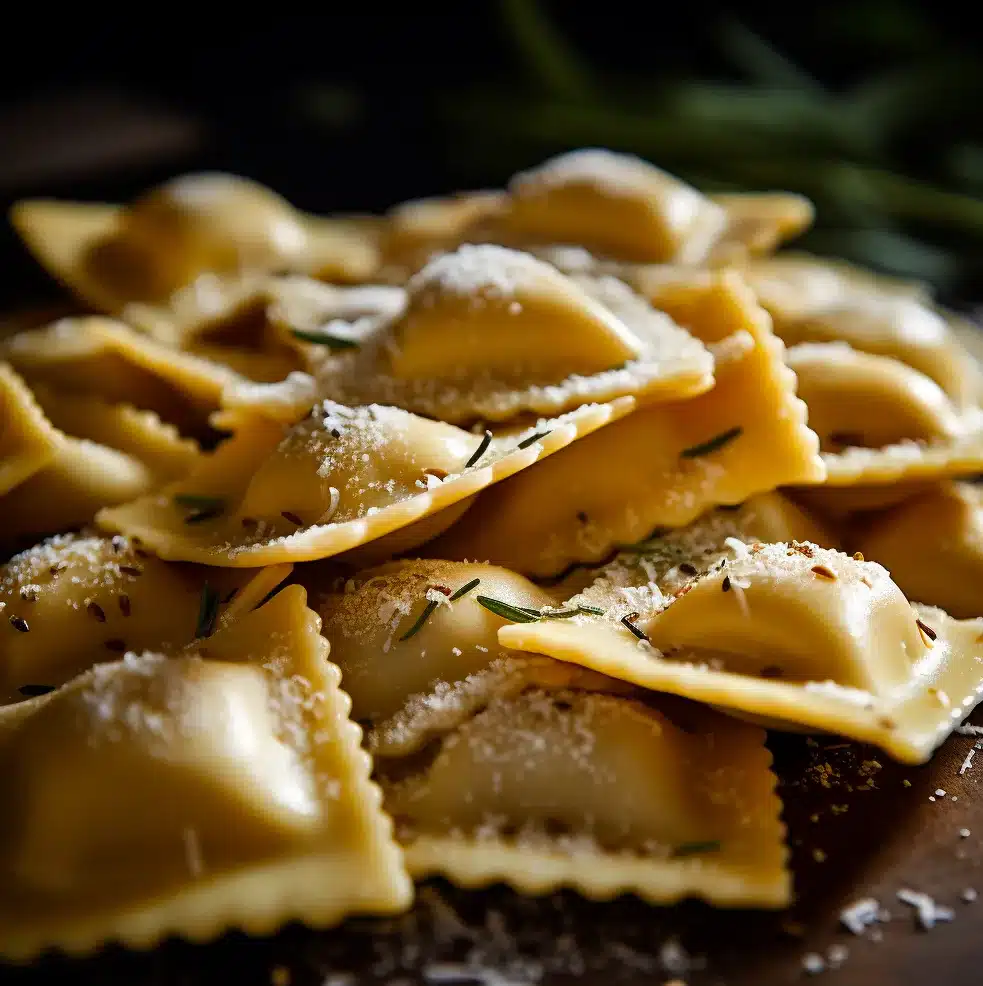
[482, 539]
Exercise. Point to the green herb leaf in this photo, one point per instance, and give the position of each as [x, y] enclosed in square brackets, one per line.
[198, 501]
[564, 614]
[465, 589]
[712, 444]
[207, 612]
[203, 507]
[479, 451]
[324, 339]
[694, 848]
[546, 52]
[423, 617]
[761, 61]
[532, 439]
[626, 622]
[507, 611]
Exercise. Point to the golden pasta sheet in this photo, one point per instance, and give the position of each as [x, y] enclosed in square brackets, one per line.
[105, 358]
[906, 329]
[528, 770]
[490, 333]
[759, 222]
[216, 786]
[412, 628]
[52, 480]
[214, 225]
[336, 480]
[77, 600]
[794, 285]
[226, 323]
[28, 442]
[664, 464]
[789, 634]
[616, 205]
[932, 544]
[882, 426]
[415, 231]
[544, 786]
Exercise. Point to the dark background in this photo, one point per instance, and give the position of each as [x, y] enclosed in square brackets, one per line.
[871, 107]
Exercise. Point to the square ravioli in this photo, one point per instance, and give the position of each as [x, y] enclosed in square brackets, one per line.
[52, 480]
[489, 333]
[338, 479]
[544, 787]
[786, 633]
[103, 358]
[664, 464]
[203, 232]
[884, 427]
[539, 773]
[932, 544]
[78, 600]
[219, 786]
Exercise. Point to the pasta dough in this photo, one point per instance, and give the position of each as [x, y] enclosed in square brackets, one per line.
[705, 615]
[545, 786]
[104, 358]
[78, 600]
[884, 427]
[220, 786]
[334, 481]
[490, 333]
[212, 224]
[53, 481]
[663, 465]
[932, 544]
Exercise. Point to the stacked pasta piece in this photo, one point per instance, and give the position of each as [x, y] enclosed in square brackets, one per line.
[479, 539]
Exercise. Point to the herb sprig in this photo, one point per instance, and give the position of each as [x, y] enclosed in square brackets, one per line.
[432, 605]
[712, 445]
[207, 612]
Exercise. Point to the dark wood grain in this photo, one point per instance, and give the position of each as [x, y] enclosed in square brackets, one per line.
[855, 828]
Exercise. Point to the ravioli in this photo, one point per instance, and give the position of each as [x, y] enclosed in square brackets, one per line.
[616, 205]
[663, 465]
[932, 544]
[903, 328]
[336, 480]
[758, 222]
[78, 600]
[105, 358]
[417, 230]
[50, 481]
[550, 787]
[407, 627]
[212, 224]
[217, 786]
[884, 427]
[490, 333]
[789, 633]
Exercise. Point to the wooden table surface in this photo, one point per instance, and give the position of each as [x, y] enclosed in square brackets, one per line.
[857, 830]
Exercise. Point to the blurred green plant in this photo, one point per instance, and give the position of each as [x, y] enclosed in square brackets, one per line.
[893, 160]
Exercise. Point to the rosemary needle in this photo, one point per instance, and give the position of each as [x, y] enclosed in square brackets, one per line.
[479, 451]
[507, 611]
[712, 444]
[207, 612]
[324, 339]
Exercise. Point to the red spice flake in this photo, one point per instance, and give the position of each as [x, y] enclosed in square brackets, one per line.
[687, 569]
[926, 630]
[803, 549]
[443, 589]
[96, 611]
[682, 590]
[437, 473]
[822, 572]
